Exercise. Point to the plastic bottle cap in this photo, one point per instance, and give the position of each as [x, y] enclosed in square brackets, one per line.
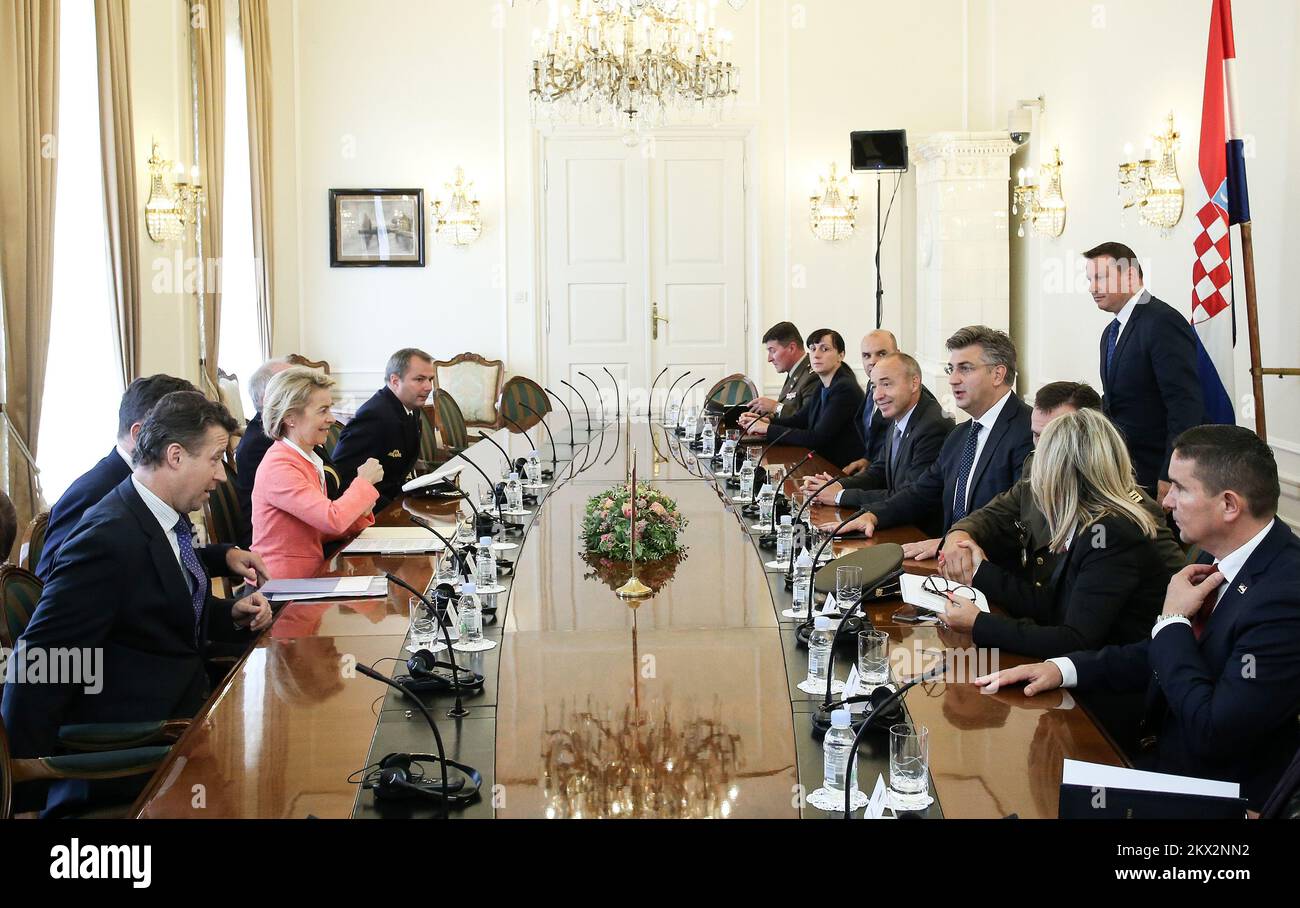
[468, 588]
[805, 559]
[767, 487]
[840, 718]
[485, 541]
[514, 475]
[787, 520]
[820, 623]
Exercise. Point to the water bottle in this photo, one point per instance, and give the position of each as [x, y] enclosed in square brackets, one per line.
[486, 564]
[706, 441]
[470, 613]
[674, 415]
[728, 454]
[784, 537]
[514, 493]
[533, 469]
[836, 746]
[819, 651]
[803, 568]
[747, 480]
[691, 422]
[766, 501]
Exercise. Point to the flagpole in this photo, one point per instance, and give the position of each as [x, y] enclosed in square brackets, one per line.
[1252, 329]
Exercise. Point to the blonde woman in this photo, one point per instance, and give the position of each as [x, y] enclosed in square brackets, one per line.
[1109, 584]
[292, 515]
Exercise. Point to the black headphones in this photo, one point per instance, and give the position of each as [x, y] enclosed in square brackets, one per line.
[423, 666]
[392, 780]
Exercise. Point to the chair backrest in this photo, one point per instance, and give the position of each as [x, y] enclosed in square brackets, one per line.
[732, 390]
[474, 382]
[228, 385]
[518, 393]
[428, 438]
[223, 513]
[332, 438]
[297, 359]
[20, 590]
[34, 541]
[450, 423]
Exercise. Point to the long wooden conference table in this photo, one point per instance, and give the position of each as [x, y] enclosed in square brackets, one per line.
[684, 706]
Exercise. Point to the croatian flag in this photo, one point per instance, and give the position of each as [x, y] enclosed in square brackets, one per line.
[1223, 175]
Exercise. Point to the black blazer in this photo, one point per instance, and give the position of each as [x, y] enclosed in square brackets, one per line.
[1152, 392]
[873, 441]
[82, 495]
[1223, 707]
[927, 502]
[382, 430]
[117, 587]
[923, 439]
[1108, 589]
[825, 429]
[248, 457]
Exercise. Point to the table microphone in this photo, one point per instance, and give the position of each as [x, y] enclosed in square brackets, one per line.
[475, 680]
[600, 398]
[585, 408]
[572, 443]
[650, 403]
[669, 399]
[618, 397]
[807, 623]
[692, 387]
[460, 558]
[491, 485]
[881, 709]
[511, 466]
[522, 431]
[541, 421]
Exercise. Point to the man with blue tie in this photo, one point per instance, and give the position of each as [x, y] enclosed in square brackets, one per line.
[978, 460]
[130, 589]
[868, 422]
[1150, 386]
[1221, 669]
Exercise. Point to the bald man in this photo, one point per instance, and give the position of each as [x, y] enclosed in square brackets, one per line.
[876, 345]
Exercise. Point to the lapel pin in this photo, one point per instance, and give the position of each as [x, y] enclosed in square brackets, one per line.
[1241, 588]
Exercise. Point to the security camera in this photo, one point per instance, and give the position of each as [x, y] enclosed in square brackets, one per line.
[1020, 119]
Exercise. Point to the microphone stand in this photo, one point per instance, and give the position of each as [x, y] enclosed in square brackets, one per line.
[650, 404]
[600, 398]
[572, 443]
[542, 422]
[510, 464]
[522, 431]
[777, 492]
[692, 388]
[585, 408]
[491, 485]
[458, 557]
[811, 498]
[669, 399]
[880, 711]
[458, 711]
[428, 717]
[618, 397]
[808, 622]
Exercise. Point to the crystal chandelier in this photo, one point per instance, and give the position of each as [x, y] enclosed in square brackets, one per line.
[457, 221]
[1042, 207]
[1151, 184]
[173, 204]
[834, 216]
[633, 63]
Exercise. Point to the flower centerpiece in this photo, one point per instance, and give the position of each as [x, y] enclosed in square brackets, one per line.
[607, 526]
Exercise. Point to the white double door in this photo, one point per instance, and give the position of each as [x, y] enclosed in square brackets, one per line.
[645, 255]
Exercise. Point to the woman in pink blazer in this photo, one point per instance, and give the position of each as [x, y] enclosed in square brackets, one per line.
[292, 515]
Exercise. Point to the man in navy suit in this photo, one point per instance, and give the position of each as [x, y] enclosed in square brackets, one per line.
[979, 460]
[104, 476]
[868, 421]
[387, 427]
[1151, 390]
[1221, 669]
[130, 589]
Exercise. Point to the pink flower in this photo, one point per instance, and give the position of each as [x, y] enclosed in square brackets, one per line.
[607, 503]
[659, 509]
[627, 509]
[607, 539]
[640, 527]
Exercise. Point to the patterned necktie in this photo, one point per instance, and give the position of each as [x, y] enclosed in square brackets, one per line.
[964, 469]
[190, 561]
[1202, 617]
[1112, 337]
[898, 443]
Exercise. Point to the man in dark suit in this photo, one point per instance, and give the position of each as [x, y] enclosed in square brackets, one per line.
[1149, 381]
[823, 423]
[255, 443]
[387, 427]
[979, 460]
[786, 353]
[130, 591]
[915, 430]
[868, 421]
[1221, 669]
[104, 476]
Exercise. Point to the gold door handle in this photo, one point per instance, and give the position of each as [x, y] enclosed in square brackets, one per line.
[655, 319]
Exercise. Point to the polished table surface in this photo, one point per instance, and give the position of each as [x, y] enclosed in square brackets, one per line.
[683, 706]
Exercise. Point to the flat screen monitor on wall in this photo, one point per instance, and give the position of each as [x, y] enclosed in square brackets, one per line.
[879, 150]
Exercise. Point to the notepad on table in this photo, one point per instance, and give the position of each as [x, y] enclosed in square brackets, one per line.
[914, 594]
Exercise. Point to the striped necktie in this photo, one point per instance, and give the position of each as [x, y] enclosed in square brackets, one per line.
[1112, 338]
[190, 562]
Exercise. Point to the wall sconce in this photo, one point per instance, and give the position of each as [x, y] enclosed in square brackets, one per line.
[173, 204]
[457, 221]
[833, 218]
[1042, 207]
[1151, 184]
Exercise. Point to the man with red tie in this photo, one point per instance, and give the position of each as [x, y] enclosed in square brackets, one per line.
[1221, 669]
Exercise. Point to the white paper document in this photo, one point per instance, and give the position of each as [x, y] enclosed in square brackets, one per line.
[325, 588]
[913, 594]
[1098, 775]
[395, 541]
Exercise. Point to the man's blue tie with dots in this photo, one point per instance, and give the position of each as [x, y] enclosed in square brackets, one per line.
[195, 569]
[964, 469]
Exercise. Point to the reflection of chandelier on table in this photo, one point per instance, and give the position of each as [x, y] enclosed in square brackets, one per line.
[633, 63]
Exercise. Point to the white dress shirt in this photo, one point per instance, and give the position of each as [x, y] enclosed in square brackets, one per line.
[987, 421]
[167, 518]
[125, 456]
[312, 458]
[1127, 312]
[1229, 566]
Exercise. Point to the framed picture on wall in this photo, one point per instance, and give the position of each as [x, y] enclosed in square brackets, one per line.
[376, 228]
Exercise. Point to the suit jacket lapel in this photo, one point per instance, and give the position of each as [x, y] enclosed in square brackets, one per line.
[175, 587]
[995, 436]
[1126, 335]
[1224, 614]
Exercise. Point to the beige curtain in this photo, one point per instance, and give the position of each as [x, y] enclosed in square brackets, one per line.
[117, 146]
[29, 116]
[255, 29]
[208, 32]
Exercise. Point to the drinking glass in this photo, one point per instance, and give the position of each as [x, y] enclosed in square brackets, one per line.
[848, 585]
[752, 453]
[909, 765]
[424, 628]
[873, 660]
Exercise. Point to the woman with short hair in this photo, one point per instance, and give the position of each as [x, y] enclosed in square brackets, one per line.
[293, 517]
